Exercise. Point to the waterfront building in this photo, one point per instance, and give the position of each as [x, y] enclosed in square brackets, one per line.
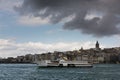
[20, 59]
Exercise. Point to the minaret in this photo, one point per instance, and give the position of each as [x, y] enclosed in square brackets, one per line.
[97, 45]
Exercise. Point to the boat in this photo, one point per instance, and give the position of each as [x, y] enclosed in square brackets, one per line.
[63, 63]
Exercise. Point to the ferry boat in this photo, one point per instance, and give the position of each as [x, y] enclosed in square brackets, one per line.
[63, 63]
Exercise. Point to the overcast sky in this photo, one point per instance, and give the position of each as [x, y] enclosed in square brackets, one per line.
[37, 26]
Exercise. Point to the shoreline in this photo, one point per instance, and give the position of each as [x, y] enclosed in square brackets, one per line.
[35, 63]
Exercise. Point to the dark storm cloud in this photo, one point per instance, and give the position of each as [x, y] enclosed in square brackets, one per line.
[104, 24]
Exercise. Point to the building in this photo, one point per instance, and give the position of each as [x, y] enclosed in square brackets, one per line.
[97, 45]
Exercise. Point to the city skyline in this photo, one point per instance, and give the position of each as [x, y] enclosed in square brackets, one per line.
[37, 26]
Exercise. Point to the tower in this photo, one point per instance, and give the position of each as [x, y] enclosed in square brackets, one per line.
[97, 45]
[81, 49]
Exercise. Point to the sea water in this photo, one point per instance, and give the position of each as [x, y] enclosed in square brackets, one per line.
[32, 72]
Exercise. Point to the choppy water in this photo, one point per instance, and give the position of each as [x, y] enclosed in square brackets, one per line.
[32, 72]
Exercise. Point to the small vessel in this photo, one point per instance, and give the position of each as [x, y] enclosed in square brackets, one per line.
[63, 63]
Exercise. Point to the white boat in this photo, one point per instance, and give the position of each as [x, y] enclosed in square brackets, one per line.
[63, 63]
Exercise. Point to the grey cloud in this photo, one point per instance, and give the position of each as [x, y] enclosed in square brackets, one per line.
[60, 9]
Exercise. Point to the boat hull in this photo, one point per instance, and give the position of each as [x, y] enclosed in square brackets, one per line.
[65, 66]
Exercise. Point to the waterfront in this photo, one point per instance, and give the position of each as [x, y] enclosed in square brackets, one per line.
[32, 72]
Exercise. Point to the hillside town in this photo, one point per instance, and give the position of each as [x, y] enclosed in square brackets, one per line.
[93, 55]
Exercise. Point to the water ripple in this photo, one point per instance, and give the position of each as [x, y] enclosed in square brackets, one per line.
[32, 72]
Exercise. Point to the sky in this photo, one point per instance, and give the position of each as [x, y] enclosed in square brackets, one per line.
[40, 26]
